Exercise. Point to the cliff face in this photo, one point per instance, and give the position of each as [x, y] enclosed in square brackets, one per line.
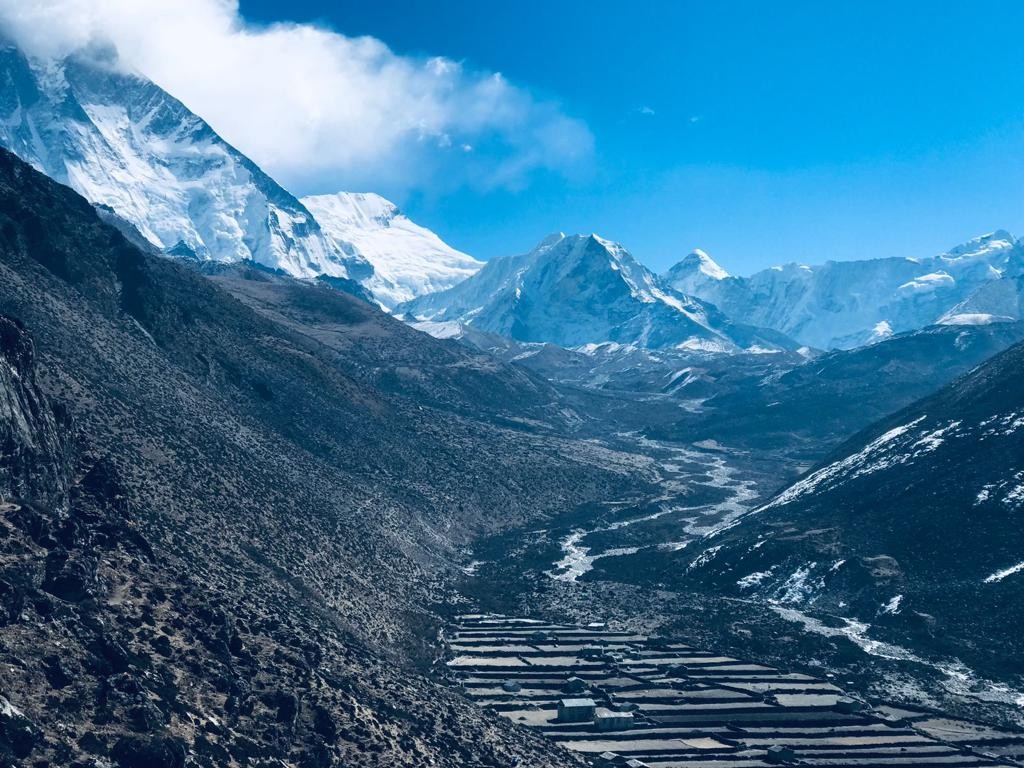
[35, 436]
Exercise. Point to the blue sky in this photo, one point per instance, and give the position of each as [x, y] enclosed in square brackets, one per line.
[761, 132]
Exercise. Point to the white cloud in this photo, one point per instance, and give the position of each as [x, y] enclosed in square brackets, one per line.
[316, 108]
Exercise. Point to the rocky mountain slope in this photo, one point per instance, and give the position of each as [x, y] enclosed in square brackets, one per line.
[408, 260]
[909, 532]
[223, 531]
[845, 304]
[581, 290]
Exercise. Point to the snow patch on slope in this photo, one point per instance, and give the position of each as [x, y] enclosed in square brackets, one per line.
[974, 318]
[881, 331]
[1000, 575]
[958, 677]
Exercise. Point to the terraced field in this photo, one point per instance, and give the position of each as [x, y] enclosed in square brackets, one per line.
[623, 698]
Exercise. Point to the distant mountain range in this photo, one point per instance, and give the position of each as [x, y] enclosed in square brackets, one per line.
[578, 290]
[124, 143]
[848, 303]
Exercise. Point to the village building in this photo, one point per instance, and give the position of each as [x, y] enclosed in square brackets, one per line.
[576, 710]
[609, 720]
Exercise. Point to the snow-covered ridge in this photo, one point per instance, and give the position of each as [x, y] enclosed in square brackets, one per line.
[876, 455]
[1000, 575]
[844, 304]
[907, 443]
[408, 260]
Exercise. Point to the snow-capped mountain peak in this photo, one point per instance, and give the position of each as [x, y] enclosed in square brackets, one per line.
[994, 243]
[408, 260]
[579, 290]
[693, 272]
[700, 260]
[121, 141]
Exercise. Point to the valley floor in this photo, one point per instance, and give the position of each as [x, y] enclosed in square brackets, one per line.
[624, 561]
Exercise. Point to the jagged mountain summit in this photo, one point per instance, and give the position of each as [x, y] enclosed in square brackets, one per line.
[408, 260]
[849, 303]
[579, 290]
[695, 270]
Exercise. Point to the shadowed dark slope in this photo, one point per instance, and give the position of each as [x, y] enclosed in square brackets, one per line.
[240, 509]
[831, 397]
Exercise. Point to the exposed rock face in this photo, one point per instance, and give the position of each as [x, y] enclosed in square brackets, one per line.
[35, 437]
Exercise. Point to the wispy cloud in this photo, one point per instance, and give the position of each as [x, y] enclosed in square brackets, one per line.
[314, 107]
